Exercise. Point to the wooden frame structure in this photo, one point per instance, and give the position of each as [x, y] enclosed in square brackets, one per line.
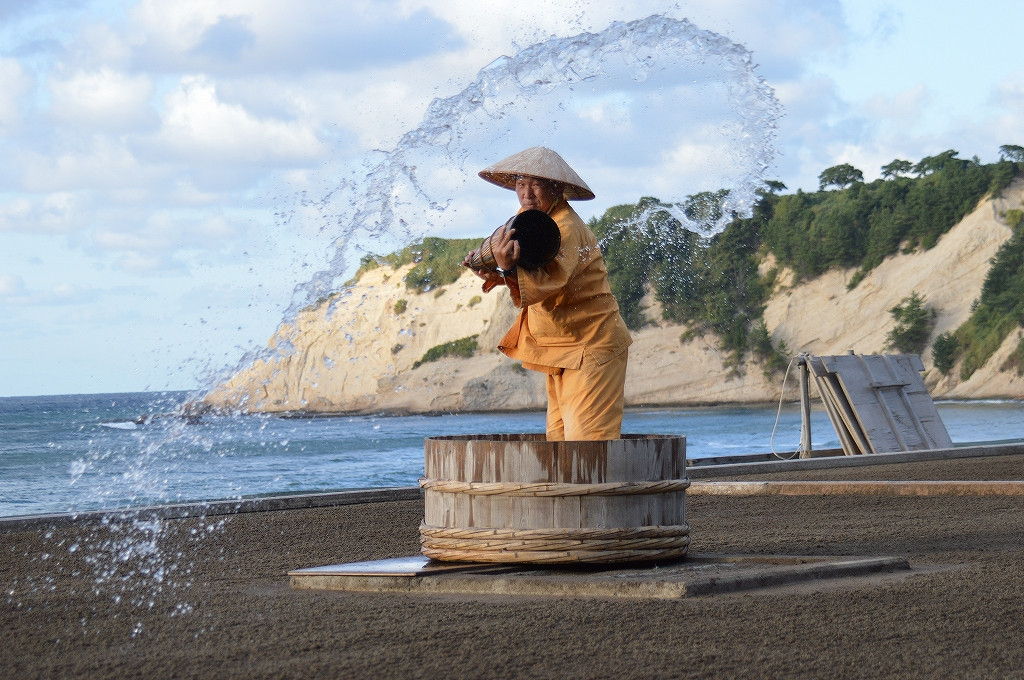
[878, 403]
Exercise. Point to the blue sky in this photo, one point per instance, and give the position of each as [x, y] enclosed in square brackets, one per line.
[154, 155]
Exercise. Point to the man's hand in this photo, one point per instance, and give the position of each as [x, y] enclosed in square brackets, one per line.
[490, 277]
[506, 249]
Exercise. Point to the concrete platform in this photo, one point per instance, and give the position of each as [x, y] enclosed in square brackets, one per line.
[691, 576]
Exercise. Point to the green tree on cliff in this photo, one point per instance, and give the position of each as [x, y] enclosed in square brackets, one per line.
[914, 323]
[1012, 152]
[840, 176]
[897, 168]
[930, 164]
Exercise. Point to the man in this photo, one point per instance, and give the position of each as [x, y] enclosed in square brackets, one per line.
[569, 325]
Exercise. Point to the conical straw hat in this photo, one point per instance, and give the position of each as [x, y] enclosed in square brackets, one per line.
[538, 161]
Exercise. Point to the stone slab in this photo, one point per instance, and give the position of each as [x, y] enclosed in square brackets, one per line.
[859, 488]
[217, 507]
[830, 462]
[694, 575]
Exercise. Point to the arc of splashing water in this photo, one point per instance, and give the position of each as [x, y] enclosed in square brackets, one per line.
[367, 197]
[539, 69]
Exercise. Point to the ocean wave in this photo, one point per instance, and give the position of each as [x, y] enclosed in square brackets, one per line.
[122, 425]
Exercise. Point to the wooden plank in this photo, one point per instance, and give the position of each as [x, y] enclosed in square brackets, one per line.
[844, 415]
[889, 391]
[432, 511]
[567, 512]
[885, 396]
[828, 399]
[909, 367]
[502, 512]
[849, 415]
[538, 512]
[461, 509]
[479, 511]
[871, 414]
[593, 512]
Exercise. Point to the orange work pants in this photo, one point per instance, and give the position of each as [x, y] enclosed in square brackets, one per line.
[586, 403]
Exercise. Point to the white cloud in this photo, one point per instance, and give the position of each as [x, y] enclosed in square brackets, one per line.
[55, 213]
[11, 285]
[220, 37]
[179, 26]
[166, 241]
[906, 107]
[147, 263]
[198, 126]
[868, 158]
[14, 292]
[609, 112]
[103, 99]
[689, 163]
[89, 162]
[99, 45]
[1009, 92]
[14, 85]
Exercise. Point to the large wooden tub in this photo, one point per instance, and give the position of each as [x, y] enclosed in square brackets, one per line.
[521, 498]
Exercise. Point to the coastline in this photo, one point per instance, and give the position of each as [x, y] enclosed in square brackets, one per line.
[437, 413]
[228, 611]
[669, 363]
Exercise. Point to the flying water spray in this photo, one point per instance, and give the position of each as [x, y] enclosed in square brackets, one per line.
[593, 97]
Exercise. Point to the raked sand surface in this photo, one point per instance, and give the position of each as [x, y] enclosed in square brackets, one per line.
[958, 613]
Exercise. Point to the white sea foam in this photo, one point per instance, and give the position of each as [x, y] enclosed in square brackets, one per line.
[125, 425]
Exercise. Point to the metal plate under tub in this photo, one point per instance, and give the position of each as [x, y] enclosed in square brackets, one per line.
[416, 565]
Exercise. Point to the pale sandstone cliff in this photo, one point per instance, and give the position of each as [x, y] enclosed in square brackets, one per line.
[356, 352]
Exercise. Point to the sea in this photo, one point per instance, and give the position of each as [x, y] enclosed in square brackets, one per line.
[77, 453]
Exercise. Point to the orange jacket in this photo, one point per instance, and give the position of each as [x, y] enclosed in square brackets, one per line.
[568, 309]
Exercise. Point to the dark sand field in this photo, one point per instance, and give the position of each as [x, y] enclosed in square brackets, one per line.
[224, 609]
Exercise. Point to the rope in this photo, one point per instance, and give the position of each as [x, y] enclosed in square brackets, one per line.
[556, 557]
[556, 489]
[555, 545]
[771, 440]
[576, 533]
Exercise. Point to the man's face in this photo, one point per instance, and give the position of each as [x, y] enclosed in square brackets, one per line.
[535, 194]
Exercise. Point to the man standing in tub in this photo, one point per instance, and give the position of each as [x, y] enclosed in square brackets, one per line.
[569, 325]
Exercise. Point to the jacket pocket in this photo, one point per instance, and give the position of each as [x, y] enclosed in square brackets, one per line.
[545, 325]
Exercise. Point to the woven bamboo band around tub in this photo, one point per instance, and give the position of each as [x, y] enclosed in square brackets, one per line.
[556, 556]
[575, 533]
[570, 544]
[554, 488]
[568, 533]
[557, 545]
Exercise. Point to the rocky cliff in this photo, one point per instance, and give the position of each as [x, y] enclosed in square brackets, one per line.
[358, 352]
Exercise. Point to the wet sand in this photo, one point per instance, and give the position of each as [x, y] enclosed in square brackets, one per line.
[224, 609]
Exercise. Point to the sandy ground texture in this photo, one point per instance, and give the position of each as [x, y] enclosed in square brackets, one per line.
[210, 598]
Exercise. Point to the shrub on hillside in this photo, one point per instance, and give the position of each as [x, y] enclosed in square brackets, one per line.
[945, 351]
[999, 310]
[438, 262]
[775, 359]
[1015, 361]
[914, 323]
[463, 347]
